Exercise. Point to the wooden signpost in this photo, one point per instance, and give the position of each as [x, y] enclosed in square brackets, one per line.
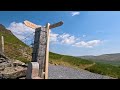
[41, 46]
[30, 24]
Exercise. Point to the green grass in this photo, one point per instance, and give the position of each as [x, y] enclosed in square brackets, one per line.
[58, 59]
[114, 63]
[97, 67]
[105, 69]
[13, 47]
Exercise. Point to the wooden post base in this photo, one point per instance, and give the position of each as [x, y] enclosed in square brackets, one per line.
[33, 71]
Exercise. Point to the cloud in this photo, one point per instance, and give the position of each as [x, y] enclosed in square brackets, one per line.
[20, 37]
[67, 39]
[84, 36]
[19, 28]
[23, 32]
[62, 38]
[53, 37]
[75, 13]
[88, 44]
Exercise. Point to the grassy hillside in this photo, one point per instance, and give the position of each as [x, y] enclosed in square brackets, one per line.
[105, 69]
[112, 59]
[95, 67]
[65, 60]
[15, 49]
[114, 63]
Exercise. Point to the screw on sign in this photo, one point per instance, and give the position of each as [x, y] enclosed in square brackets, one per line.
[40, 54]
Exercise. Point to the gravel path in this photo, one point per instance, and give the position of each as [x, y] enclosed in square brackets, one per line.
[61, 72]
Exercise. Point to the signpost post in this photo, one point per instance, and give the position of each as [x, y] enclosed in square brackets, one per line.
[41, 47]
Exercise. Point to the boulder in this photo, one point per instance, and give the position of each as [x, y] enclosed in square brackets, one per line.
[19, 63]
[13, 73]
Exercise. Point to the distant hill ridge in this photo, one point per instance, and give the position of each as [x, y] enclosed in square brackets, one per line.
[2, 26]
[104, 57]
[4, 30]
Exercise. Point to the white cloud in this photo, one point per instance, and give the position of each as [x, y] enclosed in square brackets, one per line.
[20, 28]
[21, 31]
[21, 37]
[88, 44]
[53, 37]
[75, 13]
[84, 36]
[67, 39]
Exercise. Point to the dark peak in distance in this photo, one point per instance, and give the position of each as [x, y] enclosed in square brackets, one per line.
[104, 57]
[3, 29]
[2, 26]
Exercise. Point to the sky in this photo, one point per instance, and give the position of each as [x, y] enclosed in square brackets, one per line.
[83, 32]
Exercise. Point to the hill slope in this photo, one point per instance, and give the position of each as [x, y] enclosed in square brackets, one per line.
[13, 47]
[104, 57]
[71, 61]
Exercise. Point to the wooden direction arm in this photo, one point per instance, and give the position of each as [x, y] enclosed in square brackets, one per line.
[30, 24]
[34, 26]
[56, 25]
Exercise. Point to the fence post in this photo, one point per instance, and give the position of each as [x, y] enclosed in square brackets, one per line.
[2, 41]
